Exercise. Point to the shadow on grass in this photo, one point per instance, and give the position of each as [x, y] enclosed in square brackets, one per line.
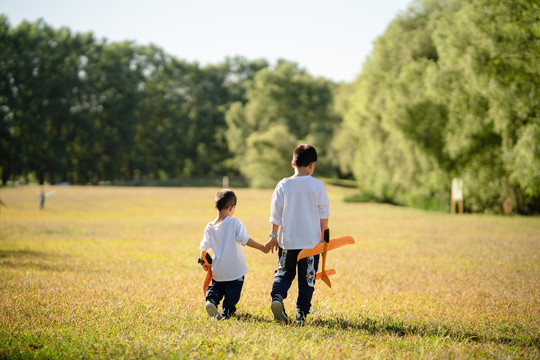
[402, 328]
[30, 259]
[252, 318]
[386, 326]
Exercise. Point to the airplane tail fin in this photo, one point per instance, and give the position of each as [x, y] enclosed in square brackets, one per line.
[324, 276]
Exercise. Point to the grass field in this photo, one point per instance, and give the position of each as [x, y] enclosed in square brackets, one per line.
[106, 272]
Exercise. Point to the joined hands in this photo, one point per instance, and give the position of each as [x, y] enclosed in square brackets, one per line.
[272, 245]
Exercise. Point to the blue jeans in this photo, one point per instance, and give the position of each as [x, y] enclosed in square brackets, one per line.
[230, 290]
[285, 274]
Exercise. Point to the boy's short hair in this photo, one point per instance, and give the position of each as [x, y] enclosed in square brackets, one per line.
[304, 155]
[225, 199]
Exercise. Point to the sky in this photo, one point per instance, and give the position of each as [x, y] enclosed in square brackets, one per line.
[328, 38]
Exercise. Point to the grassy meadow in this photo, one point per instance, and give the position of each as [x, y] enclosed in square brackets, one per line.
[111, 272]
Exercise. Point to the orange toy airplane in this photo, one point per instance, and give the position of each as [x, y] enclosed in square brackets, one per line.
[206, 259]
[322, 248]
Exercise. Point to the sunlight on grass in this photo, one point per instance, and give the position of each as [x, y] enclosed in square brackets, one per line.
[111, 272]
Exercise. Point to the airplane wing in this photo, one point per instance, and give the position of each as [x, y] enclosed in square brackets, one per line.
[333, 244]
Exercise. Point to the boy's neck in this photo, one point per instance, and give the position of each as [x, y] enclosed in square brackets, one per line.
[221, 215]
[304, 170]
[300, 172]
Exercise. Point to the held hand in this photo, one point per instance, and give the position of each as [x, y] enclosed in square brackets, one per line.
[272, 244]
[265, 250]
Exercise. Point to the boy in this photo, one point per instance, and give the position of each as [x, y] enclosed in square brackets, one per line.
[300, 206]
[226, 236]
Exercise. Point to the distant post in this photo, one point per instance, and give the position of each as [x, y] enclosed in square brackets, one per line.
[41, 200]
[457, 195]
[225, 182]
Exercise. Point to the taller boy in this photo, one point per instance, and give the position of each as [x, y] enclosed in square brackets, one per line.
[300, 206]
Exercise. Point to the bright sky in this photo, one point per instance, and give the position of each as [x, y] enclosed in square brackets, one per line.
[329, 38]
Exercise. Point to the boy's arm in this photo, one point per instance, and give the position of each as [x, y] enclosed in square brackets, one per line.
[205, 246]
[273, 242]
[276, 212]
[324, 223]
[324, 208]
[252, 243]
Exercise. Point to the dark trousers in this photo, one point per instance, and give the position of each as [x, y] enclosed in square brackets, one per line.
[285, 274]
[230, 290]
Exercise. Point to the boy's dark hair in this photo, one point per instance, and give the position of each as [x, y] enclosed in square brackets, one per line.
[304, 155]
[225, 199]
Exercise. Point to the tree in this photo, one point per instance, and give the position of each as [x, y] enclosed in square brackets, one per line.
[41, 69]
[10, 145]
[78, 109]
[266, 150]
[494, 113]
[281, 100]
[390, 136]
[451, 89]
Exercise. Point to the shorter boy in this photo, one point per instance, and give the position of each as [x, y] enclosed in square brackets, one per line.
[226, 236]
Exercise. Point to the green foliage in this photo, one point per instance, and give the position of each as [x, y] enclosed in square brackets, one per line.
[264, 164]
[285, 107]
[368, 196]
[525, 155]
[82, 110]
[450, 90]
[86, 111]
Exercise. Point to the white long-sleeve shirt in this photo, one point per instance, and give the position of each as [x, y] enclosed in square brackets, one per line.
[298, 205]
[226, 239]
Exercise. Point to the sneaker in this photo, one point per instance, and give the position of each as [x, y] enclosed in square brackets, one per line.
[212, 311]
[227, 315]
[279, 312]
[300, 320]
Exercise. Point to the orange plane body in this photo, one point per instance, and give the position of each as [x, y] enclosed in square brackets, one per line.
[322, 248]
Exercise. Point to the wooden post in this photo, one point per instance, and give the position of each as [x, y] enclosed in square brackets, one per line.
[457, 195]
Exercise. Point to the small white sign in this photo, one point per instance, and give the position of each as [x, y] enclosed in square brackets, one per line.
[457, 189]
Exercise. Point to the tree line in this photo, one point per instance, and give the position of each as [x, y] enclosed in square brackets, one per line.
[82, 110]
[451, 89]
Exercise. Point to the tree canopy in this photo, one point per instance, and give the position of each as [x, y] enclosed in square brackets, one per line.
[452, 89]
[285, 106]
[78, 109]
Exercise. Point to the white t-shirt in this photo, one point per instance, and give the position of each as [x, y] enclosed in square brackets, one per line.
[298, 205]
[226, 240]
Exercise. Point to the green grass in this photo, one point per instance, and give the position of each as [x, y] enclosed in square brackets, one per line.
[107, 272]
